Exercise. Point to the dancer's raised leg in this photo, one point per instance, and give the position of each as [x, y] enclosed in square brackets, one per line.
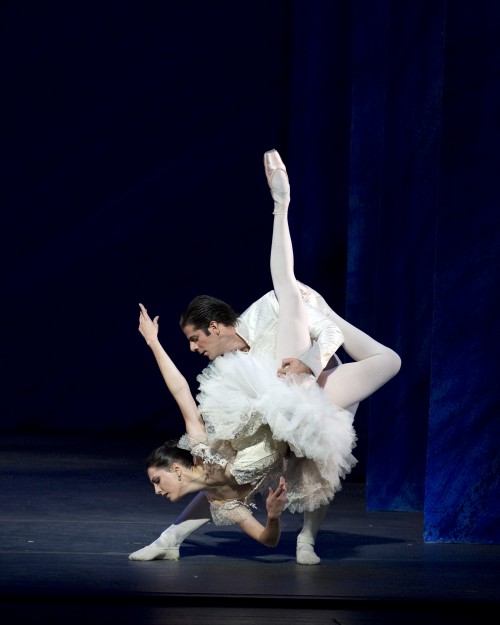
[375, 364]
[293, 332]
[166, 546]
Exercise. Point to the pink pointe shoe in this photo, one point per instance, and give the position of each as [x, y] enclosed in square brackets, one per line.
[280, 188]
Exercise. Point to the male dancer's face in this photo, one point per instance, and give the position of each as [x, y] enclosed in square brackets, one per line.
[210, 345]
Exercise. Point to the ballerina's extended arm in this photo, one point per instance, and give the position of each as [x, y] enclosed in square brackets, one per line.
[175, 381]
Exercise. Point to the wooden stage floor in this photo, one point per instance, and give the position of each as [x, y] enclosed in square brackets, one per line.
[73, 508]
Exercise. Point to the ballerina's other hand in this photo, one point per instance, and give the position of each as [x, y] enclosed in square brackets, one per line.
[276, 499]
[148, 327]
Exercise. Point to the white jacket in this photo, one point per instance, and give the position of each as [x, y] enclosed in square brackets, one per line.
[258, 327]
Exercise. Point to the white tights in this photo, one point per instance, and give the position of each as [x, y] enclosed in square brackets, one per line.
[348, 384]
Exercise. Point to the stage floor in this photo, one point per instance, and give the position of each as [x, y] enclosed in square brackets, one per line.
[73, 508]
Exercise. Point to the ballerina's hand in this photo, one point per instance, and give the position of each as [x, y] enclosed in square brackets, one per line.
[148, 327]
[276, 499]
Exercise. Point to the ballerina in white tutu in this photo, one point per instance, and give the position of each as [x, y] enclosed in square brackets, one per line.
[251, 427]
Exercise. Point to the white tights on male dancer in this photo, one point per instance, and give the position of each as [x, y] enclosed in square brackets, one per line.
[346, 385]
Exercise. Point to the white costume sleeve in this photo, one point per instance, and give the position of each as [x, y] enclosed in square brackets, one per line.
[327, 338]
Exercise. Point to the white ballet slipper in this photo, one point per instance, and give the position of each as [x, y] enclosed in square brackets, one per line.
[155, 552]
[306, 554]
[280, 187]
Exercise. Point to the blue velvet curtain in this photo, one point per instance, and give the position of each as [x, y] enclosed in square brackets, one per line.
[133, 136]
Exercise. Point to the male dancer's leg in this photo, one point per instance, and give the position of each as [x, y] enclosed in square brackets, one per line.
[166, 547]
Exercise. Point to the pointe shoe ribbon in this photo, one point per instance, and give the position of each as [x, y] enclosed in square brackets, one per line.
[280, 189]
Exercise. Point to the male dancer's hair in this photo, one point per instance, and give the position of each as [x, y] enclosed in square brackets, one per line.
[203, 309]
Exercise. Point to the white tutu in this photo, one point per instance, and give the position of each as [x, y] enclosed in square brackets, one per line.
[240, 397]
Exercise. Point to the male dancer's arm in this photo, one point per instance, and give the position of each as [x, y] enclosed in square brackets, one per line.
[327, 337]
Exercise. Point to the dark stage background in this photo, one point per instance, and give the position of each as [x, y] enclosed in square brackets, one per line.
[132, 143]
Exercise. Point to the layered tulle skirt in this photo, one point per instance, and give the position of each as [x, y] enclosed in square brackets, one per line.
[265, 426]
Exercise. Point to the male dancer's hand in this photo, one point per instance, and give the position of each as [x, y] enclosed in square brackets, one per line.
[293, 366]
